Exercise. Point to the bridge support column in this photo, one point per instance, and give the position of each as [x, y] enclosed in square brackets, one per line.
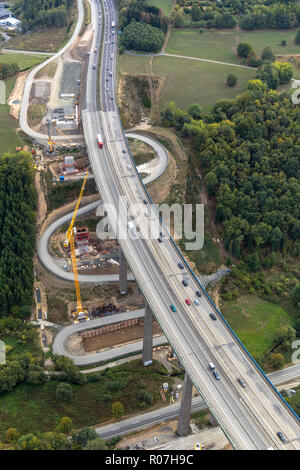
[148, 336]
[212, 420]
[123, 284]
[183, 428]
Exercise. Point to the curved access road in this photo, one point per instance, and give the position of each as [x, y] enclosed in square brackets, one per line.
[156, 167]
[61, 339]
[154, 170]
[28, 84]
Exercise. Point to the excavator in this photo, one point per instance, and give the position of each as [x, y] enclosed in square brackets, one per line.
[81, 312]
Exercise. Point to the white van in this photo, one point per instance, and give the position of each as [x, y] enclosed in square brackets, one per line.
[211, 366]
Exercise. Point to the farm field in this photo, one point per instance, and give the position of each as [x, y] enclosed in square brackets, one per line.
[255, 321]
[221, 44]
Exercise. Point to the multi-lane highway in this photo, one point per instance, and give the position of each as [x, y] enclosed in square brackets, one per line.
[252, 416]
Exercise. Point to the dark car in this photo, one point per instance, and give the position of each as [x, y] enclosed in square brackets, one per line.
[145, 201]
[159, 240]
[180, 265]
[184, 282]
[242, 382]
[281, 436]
[198, 293]
[213, 316]
[217, 377]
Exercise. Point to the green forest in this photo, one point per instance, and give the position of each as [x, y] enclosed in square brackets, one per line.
[143, 26]
[42, 13]
[17, 233]
[249, 151]
[250, 15]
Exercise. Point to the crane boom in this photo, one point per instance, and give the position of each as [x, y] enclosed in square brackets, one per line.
[70, 229]
[75, 271]
[70, 240]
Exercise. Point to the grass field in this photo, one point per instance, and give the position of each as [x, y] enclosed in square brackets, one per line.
[221, 44]
[254, 321]
[164, 5]
[48, 40]
[9, 139]
[187, 82]
[24, 61]
[41, 411]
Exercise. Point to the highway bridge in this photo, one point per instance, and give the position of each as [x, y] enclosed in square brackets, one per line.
[252, 416]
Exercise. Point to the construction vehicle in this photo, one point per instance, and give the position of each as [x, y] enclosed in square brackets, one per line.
[51, 144]
[100, 142]
[81, 312]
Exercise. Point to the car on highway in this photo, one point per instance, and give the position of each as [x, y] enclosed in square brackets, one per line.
[187, 301]
[213, 316]
[184, 282]
[110, 73]
[196, 302]
[198, 293]
[124, 151]
[94, 67]
[106, 79]
[159, 239]
[281, 436]
[146, 202]
[180, 265]
[211, 366]
[242, 382]
[173, 308]
[111, 97]
[216, 375]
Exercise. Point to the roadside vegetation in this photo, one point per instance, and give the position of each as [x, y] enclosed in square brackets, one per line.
[63, 193]
[131, 385]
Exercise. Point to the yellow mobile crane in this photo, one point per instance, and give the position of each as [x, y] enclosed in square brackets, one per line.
[81, 313]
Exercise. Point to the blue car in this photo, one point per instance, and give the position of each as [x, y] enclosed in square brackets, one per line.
[173, 308]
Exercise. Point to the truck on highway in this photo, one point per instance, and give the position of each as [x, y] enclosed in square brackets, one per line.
[99, 140]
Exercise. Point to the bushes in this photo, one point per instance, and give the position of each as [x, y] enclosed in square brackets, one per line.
[8, 70]
[64, 392]
[231, 80]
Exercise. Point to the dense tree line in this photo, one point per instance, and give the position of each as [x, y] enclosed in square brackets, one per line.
[64, 437]
[8, 70]
[249, 151]
[142, 37]
[251, 15]
[42, 13]
[276, 16]
[17, 231]
[139, 11]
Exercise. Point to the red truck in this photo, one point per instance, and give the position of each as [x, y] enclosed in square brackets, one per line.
[99, 140]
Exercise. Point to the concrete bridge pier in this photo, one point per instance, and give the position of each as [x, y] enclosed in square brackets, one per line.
[148, 336]
[123, 283]
[183, 428]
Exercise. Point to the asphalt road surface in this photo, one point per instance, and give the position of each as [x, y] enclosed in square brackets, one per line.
[251, 416]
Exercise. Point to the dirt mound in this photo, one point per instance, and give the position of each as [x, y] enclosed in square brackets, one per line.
[134, 98]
